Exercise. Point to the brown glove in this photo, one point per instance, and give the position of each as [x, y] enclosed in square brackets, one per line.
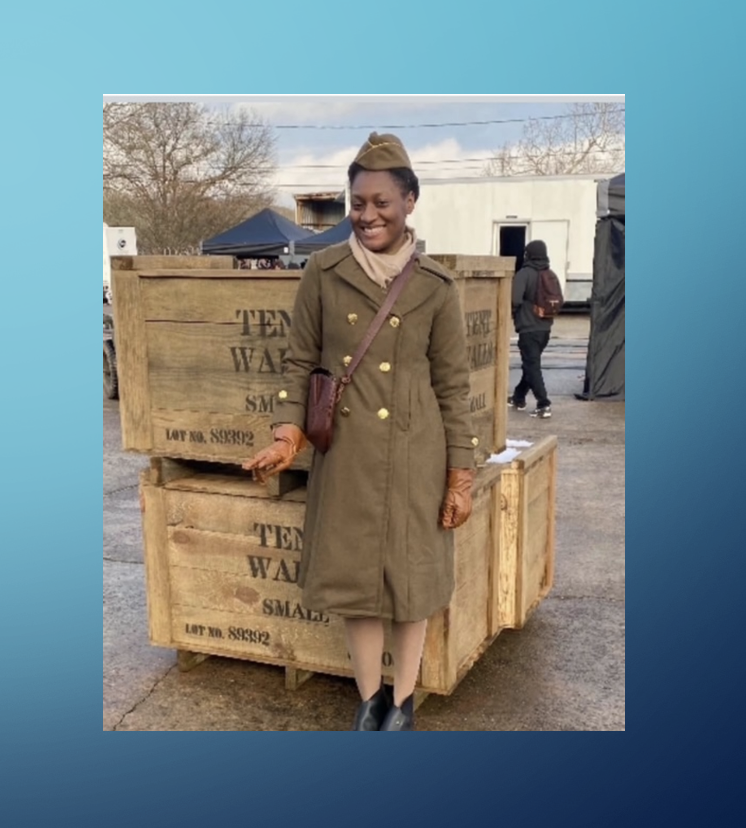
[289, 441]
[456, 506]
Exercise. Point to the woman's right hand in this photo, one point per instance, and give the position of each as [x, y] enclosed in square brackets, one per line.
[289, 441]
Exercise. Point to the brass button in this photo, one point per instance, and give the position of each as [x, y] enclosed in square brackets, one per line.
[383, 414]
[283, 395]
[385, 367]
[347, 360]
[345, 412]
[395, 322]
[352, 318]
[475, 441]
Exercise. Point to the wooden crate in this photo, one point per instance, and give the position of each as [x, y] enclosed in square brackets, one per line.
[485, 286]
[221, 562]
[527, 535]
[200, 351]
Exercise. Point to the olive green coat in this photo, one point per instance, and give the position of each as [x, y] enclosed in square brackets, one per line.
[372, 541]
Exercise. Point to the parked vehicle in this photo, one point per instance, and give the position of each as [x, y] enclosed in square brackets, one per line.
[111, 380]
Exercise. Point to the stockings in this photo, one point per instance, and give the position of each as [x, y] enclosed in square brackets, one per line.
[365, 645]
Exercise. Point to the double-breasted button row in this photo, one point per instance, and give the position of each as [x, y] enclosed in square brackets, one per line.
[353, 317]
[383, 413]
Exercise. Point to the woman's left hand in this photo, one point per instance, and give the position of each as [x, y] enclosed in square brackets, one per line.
[457, 503]
[289, 441]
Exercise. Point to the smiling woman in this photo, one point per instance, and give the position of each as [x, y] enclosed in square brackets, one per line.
[384, 498]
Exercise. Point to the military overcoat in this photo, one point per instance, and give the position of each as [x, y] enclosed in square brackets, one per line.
[372, 541]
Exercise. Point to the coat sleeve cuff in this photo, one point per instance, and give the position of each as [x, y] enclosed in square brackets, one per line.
[461, 458]
[288, 413]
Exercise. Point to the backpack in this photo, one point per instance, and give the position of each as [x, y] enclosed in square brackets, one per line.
[549, 298]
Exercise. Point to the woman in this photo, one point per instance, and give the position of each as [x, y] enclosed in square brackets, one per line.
[383, 501]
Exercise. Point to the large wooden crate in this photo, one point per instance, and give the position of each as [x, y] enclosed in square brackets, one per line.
[222, 562]
[200, 352]
[527, 534]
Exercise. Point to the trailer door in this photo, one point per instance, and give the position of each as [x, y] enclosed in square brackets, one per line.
[555, 233]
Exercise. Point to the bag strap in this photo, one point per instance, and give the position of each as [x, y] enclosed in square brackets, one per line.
[396, 288]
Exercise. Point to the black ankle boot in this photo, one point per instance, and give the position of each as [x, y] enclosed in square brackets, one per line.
[400, 718]
[371, 713]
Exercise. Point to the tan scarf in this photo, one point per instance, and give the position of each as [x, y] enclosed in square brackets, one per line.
[382, 268]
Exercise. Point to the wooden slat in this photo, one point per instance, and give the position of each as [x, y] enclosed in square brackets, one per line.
[157, 575]
[438, 669]
[512, 535]
[478, 304]
[227, 552]
[187, 661]
[493, 609]
[502, 366]
[487, 476]
[271, 639]
[551, 525]
[534, 556]
[132, 363]
[249, 517]
[460, 263]
[254, 307]
[296, 678]
[239, 485]
[537, 452]
[244, 275]
[163, 470]
[247, 595]
[539, 476]
[220, 438]
[172, 262]
[282, 484]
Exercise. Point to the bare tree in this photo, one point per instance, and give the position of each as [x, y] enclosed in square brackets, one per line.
[589, 140]
[181, 173]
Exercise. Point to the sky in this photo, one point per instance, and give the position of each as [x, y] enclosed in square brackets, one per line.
[317, 137]
[327, 132]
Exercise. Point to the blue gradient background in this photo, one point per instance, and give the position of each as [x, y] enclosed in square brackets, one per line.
[686, 558]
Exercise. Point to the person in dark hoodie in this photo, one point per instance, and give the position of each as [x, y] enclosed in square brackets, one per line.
[533, 331]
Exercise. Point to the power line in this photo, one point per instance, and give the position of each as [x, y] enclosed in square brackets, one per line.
[448, 123]
[520, 156]
[482, 160]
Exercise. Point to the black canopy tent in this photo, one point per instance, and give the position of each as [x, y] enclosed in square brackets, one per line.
[334, 235]
[265, 234]
[605, 373]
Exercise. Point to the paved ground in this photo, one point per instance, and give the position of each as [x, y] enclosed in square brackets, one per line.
[563, 671]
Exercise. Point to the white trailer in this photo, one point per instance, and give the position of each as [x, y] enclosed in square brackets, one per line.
[499, 216]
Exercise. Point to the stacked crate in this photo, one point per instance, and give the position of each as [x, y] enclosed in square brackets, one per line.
[200, 347]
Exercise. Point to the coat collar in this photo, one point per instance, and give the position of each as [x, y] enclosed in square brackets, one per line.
[422, 285]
